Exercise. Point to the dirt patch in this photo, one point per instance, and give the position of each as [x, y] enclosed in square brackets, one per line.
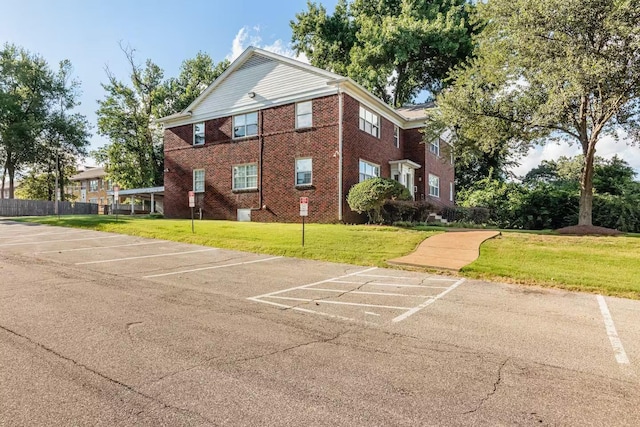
[589, 230]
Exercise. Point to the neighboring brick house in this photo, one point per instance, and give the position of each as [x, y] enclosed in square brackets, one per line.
[90, 186]
[271, 129]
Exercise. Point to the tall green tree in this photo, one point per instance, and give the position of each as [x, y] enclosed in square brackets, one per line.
[563, 70]
[394, 48]
[134, 156]
[38, 128]
[26, 90]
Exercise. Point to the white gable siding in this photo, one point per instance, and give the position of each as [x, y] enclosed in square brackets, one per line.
[273, 82]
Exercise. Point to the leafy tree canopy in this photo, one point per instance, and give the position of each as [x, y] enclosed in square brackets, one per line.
[564, 70]
[394, 48]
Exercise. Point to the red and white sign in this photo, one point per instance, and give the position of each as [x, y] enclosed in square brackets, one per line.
[304, 206]
[116, 189]
[192, 199]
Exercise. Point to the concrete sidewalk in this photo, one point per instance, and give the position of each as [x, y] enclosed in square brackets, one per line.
[447, 251]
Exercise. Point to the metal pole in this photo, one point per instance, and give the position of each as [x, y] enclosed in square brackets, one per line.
[302, 231]
[192, 227]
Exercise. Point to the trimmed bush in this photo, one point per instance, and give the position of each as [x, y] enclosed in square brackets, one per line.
[369, 196]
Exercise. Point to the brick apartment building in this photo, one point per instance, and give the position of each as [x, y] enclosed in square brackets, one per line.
[90, 186]
[271, 129]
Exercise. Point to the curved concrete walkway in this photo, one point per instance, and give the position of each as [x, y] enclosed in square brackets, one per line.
[448, 251]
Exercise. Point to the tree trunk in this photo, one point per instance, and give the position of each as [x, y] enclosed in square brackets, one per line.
[4, 176]
[12, 174]
[586, 187]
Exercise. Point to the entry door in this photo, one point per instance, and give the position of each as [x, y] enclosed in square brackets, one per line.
[409, 183]
[83, 195]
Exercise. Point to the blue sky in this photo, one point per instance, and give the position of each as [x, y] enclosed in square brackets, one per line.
[88, 33]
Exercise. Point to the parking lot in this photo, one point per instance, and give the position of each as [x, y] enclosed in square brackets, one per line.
[106, 329]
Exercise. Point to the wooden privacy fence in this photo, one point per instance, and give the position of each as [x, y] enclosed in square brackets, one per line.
[16, 207]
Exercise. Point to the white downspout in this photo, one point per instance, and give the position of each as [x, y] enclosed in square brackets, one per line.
[340, 112]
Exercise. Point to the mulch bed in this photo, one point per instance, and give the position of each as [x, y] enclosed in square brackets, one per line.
[588, 230]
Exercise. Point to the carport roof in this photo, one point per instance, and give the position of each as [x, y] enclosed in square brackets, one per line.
[138, 191]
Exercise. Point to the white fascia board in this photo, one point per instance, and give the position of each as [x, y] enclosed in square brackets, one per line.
[407, 162]
[375, 104]
[300, 97]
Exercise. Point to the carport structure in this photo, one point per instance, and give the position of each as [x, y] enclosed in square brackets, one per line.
[155, 195]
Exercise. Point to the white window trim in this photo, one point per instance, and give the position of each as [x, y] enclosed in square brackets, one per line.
[370, 164]
[194, 134]
[298, 115]
[233, 125]
[451, 191]
[195, 190]
[434, 147]
[362, 119]
[295, 178]
[437, 187]
[233, 177]
[396, 135]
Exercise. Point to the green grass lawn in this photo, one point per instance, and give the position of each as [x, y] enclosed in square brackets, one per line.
[608, 265]
[352, 244]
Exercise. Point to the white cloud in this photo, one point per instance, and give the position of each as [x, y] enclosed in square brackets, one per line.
[247, 36]
[607, 147]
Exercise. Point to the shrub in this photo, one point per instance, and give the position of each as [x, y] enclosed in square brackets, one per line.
[369, 196]
[407, 211]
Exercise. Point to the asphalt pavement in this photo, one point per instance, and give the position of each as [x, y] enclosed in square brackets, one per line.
[105, 329]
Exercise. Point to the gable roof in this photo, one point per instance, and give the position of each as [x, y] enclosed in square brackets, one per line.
[89, 173]
[327, 79]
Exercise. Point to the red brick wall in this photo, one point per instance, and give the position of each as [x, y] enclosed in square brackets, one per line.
[281, 145]
[418, 151]
[358, 144]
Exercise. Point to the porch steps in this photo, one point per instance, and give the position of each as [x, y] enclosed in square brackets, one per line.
[434, 217]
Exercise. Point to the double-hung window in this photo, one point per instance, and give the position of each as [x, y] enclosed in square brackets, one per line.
[198, 133]
[434, 146]
[303, 171]
[245, 177]
[368, 170]
[369, 122]
[434, 186]
[245, 125]
[198, 180]
[304, 115]
[93, 185]
[396, 136]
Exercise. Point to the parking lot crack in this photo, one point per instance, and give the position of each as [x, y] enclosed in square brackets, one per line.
[103, 376]
[492, 392]
[316, 300]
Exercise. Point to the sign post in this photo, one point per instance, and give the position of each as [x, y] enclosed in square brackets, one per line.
[304, 212]
[116, 191]
[192, 204]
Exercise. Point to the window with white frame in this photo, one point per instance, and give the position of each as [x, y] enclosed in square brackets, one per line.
[93, 200]
[198, 180]
[434, 146]
[368, 170]
[198, 133]
[396, 136]
[304, 115]
[93, 185]
[451, 191]
[434, 186]
[303, 171]
[245, 125]
[245, 177]
[369, 122]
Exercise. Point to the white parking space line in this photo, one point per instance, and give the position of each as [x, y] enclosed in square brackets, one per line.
[427, 302]
[211, 268]
[102, 261]
[319, 301]
[303, 310]
[48, 233]
[311, 284]
[389, 284]
[367, 293]
[612, 333]
[439, 279]
[61, 241]
[88, 248]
